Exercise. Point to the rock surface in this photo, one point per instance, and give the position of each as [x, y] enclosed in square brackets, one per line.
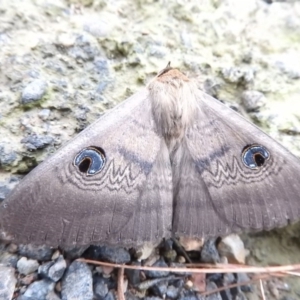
[34, 91]
[64, 63]
[77, 282]
[7, 282]
[26, 266]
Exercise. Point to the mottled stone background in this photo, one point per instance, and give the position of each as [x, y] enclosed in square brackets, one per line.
[63, 63]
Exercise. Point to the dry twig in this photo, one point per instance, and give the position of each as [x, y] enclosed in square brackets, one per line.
[120, 290]
[261, 273]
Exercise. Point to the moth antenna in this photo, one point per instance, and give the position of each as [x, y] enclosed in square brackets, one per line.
[165, 70]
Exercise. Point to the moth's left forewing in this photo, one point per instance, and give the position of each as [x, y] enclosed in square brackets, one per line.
[107, 185]
[222, 143]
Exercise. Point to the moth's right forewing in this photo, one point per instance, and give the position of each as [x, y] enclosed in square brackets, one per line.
[243, 199]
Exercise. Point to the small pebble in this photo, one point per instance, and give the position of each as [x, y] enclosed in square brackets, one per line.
[152, 298]
[12, 248]
[34, 91]
[9, 259]
[209, 252]
[272, 287]
[7, 155]
[36, 252]
[100, 288]
[233, 248]
[211, 286]
[110, 296]
[66, 40]
[4, 190]
[55, 255]
[26, 266]
[172, 292]
[243, 277]
[7, 282]
[132, 295]
[157, 274]
[241, 296]
[181, 259]
[44, 114]
[191, 244]
[170, 255]
[188, 295]
[58, 287]
[101, 64]
[97, 27]
[34, 141]
[133, 275]
[77, 282]
[214, 277]
[154, 257]
[52, 296]
[116, 255]
[253, 100]
[238, 75]
[28, 279]
[39, 289]
[53, 270]
[160, 289]
[74, 252]
[229, 279]
[198, 280]
[189, 284]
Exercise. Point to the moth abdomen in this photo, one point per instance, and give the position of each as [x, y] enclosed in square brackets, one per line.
[174, 105]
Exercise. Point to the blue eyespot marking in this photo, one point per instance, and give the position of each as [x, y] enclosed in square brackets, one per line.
[255, 156]
[90, 160]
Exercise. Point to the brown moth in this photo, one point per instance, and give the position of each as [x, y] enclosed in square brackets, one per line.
[170, 160]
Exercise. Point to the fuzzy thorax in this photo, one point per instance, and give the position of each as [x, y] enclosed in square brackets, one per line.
[174, 104]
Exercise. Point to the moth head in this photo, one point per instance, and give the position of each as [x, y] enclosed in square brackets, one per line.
[255, 156]
[90, 160]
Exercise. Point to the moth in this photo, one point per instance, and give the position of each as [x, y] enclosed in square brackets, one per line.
[169, 161]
